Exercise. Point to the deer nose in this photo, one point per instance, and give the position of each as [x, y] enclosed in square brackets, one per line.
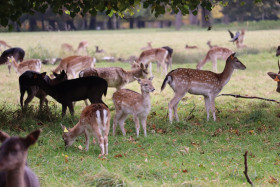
[153, 89]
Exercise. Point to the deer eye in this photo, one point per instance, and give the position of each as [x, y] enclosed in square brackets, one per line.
[146, 85]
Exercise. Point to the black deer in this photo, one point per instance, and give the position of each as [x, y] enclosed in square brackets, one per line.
[16, 52]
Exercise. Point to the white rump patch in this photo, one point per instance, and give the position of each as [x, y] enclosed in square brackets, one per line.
[105, 114]
[98, 119]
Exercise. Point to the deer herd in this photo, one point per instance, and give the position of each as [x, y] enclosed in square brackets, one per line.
[92, 83]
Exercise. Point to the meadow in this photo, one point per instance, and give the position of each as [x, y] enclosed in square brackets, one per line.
[191, 152]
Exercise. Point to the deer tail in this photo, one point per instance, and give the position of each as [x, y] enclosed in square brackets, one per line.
[168, 79]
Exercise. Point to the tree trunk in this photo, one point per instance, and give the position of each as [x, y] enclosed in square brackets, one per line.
[109, 24]
[193, 19]
[32, 23]
[178, 21]
[92, 23]
[131, 23]
[205, 17]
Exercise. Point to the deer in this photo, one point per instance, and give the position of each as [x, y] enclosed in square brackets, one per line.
[169, 57]
[68, 91]
[13, 155]
[32, 64]
[74, 64]
[26, 84]
[116, 76]
[278, 51]
[67, 48]
[214, 54]
[240, 40]
[17, 53]
[4, 44]
[82, 47]
[97, 50]
[190, 47]
[94, 119]
[276, 77]
[210, 45]
[149, 46]
[156, 54]
[199, 82]
[130, 102]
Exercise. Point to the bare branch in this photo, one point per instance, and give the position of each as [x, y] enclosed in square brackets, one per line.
[249, 97]
[246, 169]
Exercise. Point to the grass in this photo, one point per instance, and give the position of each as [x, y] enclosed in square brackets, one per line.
[188, 153]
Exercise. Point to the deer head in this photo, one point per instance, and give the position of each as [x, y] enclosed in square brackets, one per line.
[278, 51]
[276, 77]
[146, 84]
[66, 136]
[234, 61]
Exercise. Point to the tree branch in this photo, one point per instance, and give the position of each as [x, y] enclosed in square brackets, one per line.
[246, 169]
[249, 97]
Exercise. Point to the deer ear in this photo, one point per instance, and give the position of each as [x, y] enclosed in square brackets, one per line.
[55, 74]
[142, 66]
[274, 76]
[139, 80]
[232, 56]
[3, 136]
[32, 137]
[151, 78]
[64, 128]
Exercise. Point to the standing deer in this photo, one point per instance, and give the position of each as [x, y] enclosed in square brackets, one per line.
[214, 54]
[4, 44]
[17, 53]
[276, 77]
[278, 51]
[74, 64]
[32, 64]
[157, 54]
[169, 56]
[13, 155]
[199, 82]
[68, 91]
[82, 48]
[129, 102]
[26, 83]
[116, 76]
[95, 119]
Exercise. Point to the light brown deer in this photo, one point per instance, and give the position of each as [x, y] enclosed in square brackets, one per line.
[276, 77]
[129, 102]
[116, 76]
[199, 82]
[82, 48]
[240, 40]
[33, 64]
[74, 64]
[67, 48]
[14, 171]
[95, 119]
[190, 46]
[149, 46]
[210, 45]
[278, 51]
[4, 44]
[157, 54]
[214, 54]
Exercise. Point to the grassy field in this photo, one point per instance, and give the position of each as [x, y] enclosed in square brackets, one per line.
[191, 152]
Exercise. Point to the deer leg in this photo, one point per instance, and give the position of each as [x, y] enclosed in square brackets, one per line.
[86, 102]
[87, 136]
[207, 106]
[121, 122]
[30, 95]
[71, 108]
[158, 67]
[143, 122]
[137, 126]
[116, 121]
[150, 66]
[64, 107]
[212, 106]
[173, 104]
[101, 143]
[105, 137]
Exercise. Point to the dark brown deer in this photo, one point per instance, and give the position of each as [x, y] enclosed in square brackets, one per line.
[17, 53]
[26, 84]
[169, 57]
[278, 51]
[68, 91]
[13, 155]
[276, 77]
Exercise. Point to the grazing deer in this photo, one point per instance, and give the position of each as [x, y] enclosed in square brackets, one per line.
[210, 45]
[13, 156]
[97, 50]
[169, 56]
[26, 83]
[116, 76]
[17, 53]
[67, 48]
[32, 64]
[276, 77]
[95, 119]
[4, 44]
[149, 46]
[82, 48]
[74, 64]
[190, 47]
[278, 51]
[129, 102]
[214, 54]
[199, 82]
[157, 54]
[68, 91]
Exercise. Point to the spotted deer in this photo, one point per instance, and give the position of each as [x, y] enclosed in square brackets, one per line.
[95, 120]
[199, 82]
[32, 64]
[82, 48]
[74, 64]
[213, 55]
[129, 102]
[14, 171]
[116, 76]
[276, 77]
[156, 54]
[278, 51]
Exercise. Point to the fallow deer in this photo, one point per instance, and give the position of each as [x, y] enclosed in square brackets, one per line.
[199, 82]
[116, 76]
[67, 48]
[129, 102]
[82, 48]
[26, 83]
[95, 119]
[169, 57]
[17, 53]
[240, 40]
[276, 77]
[278, 51]
[210, 45]
[74, 64]
[97, 50]
[14, 171]
[190, 46]
[214, 54]
[68, 91]
[156, 54]
[149, 46]
[4, 44]
[32, 64]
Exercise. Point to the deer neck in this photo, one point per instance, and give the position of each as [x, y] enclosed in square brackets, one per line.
[76, 130]
[225, 76]
[15, 178]
[133, 73]
[15, 65]
[47, 88]
[146, 99]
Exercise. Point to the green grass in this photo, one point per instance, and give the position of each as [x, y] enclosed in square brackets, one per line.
[215, 156]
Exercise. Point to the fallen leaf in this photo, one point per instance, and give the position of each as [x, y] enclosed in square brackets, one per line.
[273, 180]
[251, 131]
[118, 156]
[195, 144]
[66, 158]
[185, 171]
[80, 147]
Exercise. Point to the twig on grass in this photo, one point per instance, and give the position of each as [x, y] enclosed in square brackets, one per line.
[190, 114]
[246, 169]
[249, 97]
